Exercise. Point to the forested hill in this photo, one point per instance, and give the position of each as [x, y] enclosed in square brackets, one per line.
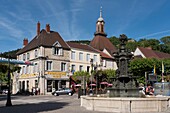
[162, 45]
[11, 54]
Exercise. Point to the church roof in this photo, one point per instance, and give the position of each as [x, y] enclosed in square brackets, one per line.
[101, 42]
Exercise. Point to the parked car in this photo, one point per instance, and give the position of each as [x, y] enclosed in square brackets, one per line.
[5, 91]
[0, 91]
[64, 91]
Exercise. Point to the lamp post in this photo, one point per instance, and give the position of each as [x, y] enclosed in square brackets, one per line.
[91, 63]
[96, 69]
[8, 103]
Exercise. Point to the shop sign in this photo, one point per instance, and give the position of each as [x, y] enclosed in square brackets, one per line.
[56, 74]
[27, 75]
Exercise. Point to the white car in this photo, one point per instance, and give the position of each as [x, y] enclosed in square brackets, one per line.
[5, 91]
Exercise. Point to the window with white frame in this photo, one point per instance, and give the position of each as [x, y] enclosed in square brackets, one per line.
[104, 63]
[80, 56]
[88, 57]
[27, 69]
[28, 56]
[73, 68]
[36, 53]
[81, 68]
[36, 68]
[23, 70]
[57, 50]
[63, 66]
[24, 57]
[95, 58]
[49, 65]
[73, 55]
[88, 68]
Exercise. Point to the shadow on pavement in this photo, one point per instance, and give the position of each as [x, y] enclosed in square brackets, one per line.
[4, 97]
[33, 108]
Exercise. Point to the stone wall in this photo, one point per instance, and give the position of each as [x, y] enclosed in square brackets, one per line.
[126, 105]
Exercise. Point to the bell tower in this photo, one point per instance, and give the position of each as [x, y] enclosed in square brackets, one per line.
[100, 25]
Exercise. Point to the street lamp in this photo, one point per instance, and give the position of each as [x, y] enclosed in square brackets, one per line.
[91, 63]
[96, 70]
[8, 103]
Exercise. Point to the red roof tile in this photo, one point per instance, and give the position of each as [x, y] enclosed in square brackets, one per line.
[104, 55]
[149, 53]
[82, 46]
[88, 48]
[101, 42]
[44, 39]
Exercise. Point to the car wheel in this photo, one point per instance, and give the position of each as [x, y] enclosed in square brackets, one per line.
[69, 94]
[55, 94]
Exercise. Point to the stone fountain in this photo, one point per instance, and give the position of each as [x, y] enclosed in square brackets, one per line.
[123, 96]
[124, 84]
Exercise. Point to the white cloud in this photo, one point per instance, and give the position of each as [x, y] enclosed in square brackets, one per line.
[154, 34]
[137, 11]
[65, 17]
[9, 27]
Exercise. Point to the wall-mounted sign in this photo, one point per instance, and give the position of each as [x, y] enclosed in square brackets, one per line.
[27, 75]
[56, 74]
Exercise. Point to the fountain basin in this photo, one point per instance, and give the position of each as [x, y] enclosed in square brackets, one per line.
[126, 104]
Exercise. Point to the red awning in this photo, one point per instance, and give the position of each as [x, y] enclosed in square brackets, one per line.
[105, 83]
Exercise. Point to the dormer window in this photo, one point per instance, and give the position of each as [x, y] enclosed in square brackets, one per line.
[57, 48]
[58, 51]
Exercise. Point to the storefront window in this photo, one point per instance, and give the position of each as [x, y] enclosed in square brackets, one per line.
[49, 85]
[63, 84]
[27, 85]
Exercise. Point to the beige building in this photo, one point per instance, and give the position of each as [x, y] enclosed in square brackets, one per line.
[80, 56]
[50, 56]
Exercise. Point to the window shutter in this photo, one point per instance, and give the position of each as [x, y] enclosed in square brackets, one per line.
[53, 50]
[61, 51]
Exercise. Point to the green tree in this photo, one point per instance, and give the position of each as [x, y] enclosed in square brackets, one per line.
[78, 76]
[132, 46]
[115, 41]
[139, 66]
[11, 54]
[104, 75]
[154, 43]
[165, 46]
[165, 40]
[4, 70]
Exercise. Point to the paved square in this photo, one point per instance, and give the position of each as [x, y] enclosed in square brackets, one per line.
[43, 104]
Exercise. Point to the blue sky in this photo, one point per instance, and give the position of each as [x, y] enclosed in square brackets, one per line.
[76, 19]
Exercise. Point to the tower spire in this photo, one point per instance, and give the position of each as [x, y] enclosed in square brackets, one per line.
[100, 25]
[101, 11]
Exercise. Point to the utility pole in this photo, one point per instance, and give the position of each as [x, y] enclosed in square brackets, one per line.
[8, 103]
[146, 78]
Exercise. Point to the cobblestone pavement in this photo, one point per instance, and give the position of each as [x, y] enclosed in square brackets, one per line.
[45, 104]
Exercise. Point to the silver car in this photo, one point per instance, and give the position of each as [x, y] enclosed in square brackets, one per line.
[64, 91]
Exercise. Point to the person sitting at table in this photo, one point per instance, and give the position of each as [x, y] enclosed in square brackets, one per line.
[149, 90]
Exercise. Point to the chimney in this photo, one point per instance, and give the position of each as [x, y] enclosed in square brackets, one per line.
[38, 28]
[25, 42]
[48, 28]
